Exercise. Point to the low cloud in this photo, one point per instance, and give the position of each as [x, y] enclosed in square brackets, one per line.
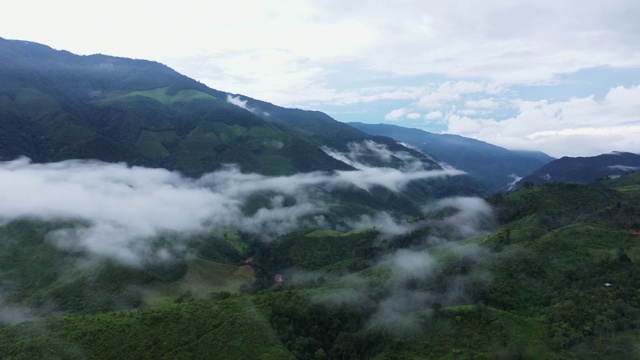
[237, 101]
[511, 185]
[119, 209]
[410, 284]
[367, 153]
[625, 168]
[383, 222]
[244, 104]
[13, 314]
[434, 115]
[472, 216]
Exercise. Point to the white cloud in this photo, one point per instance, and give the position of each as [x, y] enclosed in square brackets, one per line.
[237, 101]
[481, 104]
[576, 127]
[360, 155]
[404, 284]
[494, 39]
[391, 178]
[395, 115]
[413, 116]
[467, 112]
[448, 92]
[474, 215]
[433, 115]
[122, 208]
[410, 168]
[491, 40]
[382, 222]
[350, 96]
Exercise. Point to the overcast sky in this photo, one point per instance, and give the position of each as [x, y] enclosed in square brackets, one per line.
[557, 76]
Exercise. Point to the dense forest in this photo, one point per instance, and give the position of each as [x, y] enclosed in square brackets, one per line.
[553, 274]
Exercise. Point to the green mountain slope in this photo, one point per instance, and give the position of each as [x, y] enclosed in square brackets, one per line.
[55, 106]
[534, 288]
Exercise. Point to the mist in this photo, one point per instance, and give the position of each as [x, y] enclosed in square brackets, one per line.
[472, 216]
[119, 209]
[368, 153]
[12, 314]
[438, 270]
[119, 212]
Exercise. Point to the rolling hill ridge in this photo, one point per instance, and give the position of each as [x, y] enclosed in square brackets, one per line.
[584, 170]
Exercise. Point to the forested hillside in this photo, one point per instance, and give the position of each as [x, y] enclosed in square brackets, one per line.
[555, 278]
[56, 106]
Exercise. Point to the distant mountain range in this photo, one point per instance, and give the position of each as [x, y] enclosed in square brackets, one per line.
[584, 170]
[496, 167]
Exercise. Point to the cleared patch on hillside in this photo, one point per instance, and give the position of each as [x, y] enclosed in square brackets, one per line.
[160, 95]
[203, 280]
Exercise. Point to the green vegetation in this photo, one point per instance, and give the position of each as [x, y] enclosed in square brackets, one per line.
[316, 249]
[203, 280]
[162, 95]
[57, 106]
[152, 143]
[230, 329]
[534, 288]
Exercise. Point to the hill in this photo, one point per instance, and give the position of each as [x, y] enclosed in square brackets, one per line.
[56, 106]
[584, 170]
[493, 166]
[230, 329]
[556, 280]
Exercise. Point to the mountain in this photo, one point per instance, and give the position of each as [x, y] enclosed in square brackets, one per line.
[493, 166]
[56, 105]
[584, 170]
[323, 131]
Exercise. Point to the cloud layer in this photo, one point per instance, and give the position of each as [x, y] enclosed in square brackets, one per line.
[121, 208]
